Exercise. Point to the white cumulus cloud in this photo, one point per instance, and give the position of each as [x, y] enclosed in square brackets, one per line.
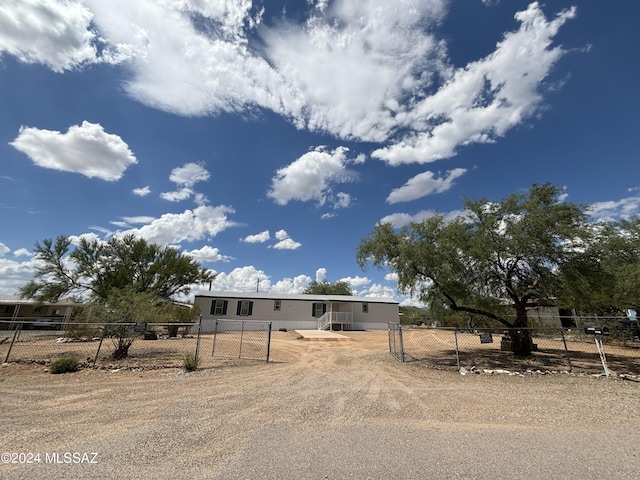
[193, 44]
[286, 242]
[484, 99]
[185, 177]
[312, 177]
[208, 254]
[377, 290]
[354, 63]
[257, 238]
[15, 274]
[321, 275]
[173, 228]
[70, 152]
[142, 191]
[356, 281]
[369, 70]
[615, 209]
[399, 220]
[424, 184]
[56, 34]
[241, 279]
[189, 174]
[250, 279]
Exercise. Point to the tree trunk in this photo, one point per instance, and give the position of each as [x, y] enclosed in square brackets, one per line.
[122, 348]
[520, 334]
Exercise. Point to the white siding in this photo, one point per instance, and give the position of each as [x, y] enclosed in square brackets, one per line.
[296, 311]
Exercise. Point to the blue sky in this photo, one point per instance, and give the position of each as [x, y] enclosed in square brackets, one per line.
[267, 138]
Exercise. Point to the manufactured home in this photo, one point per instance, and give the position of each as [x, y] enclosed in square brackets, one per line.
[15, 310]
[299, 312]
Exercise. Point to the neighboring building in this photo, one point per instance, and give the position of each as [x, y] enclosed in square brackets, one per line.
[299, 312]
[14, 309]
[552, 317]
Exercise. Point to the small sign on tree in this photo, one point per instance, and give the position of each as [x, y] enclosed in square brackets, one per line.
[140, 327]
[486, 338]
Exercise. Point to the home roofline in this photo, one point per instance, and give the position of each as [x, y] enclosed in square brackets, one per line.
[290, 296]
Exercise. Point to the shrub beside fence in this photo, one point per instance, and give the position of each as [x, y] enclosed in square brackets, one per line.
[555, 349]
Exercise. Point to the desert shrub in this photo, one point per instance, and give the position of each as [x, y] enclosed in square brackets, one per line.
[64, 365]
[82, 330]
[190, 362]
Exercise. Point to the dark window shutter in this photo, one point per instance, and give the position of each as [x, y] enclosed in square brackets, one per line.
[314, 307]
[224, 307]
[239, 307]
[250, 308]
[213, 307]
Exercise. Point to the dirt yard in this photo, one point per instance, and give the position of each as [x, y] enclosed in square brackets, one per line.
[317, 410]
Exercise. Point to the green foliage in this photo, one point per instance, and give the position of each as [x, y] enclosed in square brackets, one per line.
[124, 307]
[444, 317]
[414, 316]
[96, 268]
[64, 365]
[605, 278]
[327, 288]
[127, 280]
[190, 362]
[495, 259]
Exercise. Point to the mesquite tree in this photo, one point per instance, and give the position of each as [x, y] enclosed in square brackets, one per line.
[125, 280]
[496, 260]
[326, 288]
[94, 269]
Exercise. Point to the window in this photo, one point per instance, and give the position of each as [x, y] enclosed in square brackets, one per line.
[37, 309]
[219, 306]
[245, 308]
[365, 307]
[277, 305]
[9, 309]
[318, 309]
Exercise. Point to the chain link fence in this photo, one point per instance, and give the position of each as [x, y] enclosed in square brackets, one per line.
[248, 339]
[153, 345]
[590, 351]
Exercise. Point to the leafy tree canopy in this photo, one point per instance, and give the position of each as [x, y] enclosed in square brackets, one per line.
[612, 260]
[95, 269]
[496, 260]
[327, 288]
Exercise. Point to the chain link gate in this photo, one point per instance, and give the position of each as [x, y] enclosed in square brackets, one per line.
[247, 339]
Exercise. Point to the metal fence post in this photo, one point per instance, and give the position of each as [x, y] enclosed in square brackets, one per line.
[401, 343]
[269, 342]
[566, 350]
[455, 334]
[603, 358]
[104, 329]
[215, 335]
[198, 338]
[15, 335]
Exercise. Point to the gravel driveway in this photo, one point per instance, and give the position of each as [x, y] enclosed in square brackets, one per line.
[318, 410]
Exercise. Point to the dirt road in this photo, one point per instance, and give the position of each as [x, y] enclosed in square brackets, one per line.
[318, 410]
